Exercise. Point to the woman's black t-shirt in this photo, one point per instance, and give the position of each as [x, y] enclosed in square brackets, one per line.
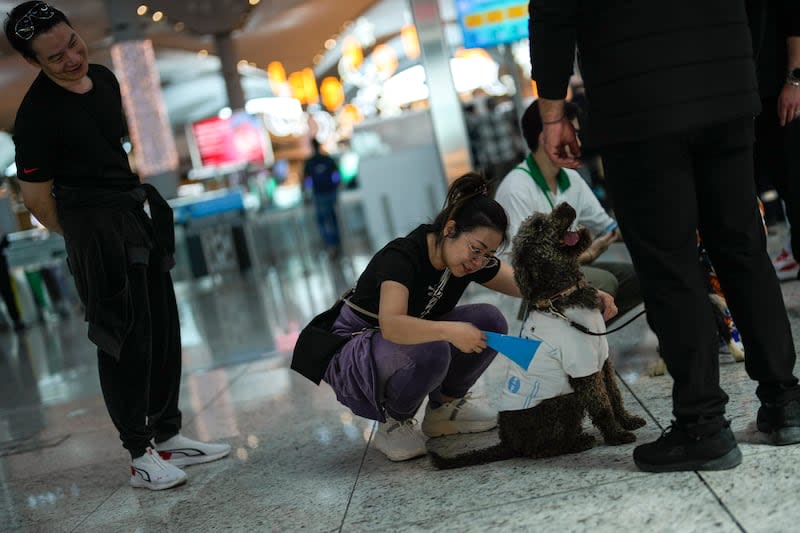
[73, 139]
[405, 260]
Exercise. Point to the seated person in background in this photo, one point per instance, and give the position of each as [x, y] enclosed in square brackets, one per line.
[536, 185]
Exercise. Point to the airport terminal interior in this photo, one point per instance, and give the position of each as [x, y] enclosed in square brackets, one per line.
[240, 88]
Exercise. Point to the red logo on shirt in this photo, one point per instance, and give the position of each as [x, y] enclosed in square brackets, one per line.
[29, 170]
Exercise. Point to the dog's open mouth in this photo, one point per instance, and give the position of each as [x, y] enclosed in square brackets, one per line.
[571, 238]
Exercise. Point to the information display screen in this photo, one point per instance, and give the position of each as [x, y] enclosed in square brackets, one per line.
[487, 23]
[238, 139]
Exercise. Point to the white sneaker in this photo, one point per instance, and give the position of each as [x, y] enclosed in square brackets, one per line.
[461, 415]
[785, 266]
[399, 440]
[183, 451]
[151, 472]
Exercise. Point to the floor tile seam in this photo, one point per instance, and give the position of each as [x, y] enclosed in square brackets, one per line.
[93, 511]
[189, 419]
[53, 471]
[483, 509]
[263, 356]
[358, 476]
[722, 504]
[640, 402]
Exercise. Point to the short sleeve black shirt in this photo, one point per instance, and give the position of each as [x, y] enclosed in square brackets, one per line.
[73, 139]
[405, 260]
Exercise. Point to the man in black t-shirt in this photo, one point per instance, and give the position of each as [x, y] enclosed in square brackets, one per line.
[75, 178]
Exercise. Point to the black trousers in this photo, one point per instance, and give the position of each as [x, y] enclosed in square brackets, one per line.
[663, 190]
[777, 162]
[141, 389]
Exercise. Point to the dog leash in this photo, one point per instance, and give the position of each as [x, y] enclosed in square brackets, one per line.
[583, 329]
[547, 306]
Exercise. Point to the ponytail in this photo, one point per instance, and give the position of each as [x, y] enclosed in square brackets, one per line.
[469, 205]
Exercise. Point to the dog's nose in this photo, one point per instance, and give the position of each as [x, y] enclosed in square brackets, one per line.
[564, 210]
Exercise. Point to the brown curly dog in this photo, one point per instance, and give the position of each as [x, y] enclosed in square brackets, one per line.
[545, 259]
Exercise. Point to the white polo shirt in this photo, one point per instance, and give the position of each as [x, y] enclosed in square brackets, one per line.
[522, 195]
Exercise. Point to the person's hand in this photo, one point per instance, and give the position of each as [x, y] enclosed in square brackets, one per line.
[607, 305]
[466, 337]
[788, 104]
[598, 246]
[561, 143]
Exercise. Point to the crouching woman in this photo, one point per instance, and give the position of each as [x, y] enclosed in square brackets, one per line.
[407, 337]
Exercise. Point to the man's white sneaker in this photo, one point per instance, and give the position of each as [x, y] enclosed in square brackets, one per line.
[785, 266]
[399, 440]
[461, 415]
[183, 451]
[151, 472]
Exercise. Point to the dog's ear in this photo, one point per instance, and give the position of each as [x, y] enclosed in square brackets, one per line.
[526, 277]
[526, 251]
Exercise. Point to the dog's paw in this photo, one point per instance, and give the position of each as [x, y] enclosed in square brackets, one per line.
[629, 421]
[582, 443]
[737, 351]
[620, 437]
[660, 369]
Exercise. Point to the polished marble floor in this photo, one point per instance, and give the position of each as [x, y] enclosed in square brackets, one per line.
[301, 462]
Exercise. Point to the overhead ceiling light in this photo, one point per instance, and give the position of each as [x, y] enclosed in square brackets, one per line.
[330, 44]
[178, 26]
[141, 10]
[254, 2]
[157, 16]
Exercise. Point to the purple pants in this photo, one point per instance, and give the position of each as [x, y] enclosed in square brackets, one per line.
[375, 377]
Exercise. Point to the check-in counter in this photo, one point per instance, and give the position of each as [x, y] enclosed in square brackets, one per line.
[211, 234]
[282, 233]
[27, 253]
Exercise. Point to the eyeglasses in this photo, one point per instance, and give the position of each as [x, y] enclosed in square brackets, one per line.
[477, 254]
[25, 27]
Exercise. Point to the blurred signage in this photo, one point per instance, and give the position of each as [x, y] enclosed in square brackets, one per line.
[487, 23]
[234, 141]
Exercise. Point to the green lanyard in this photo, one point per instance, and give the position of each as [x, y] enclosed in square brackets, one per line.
[533, 171]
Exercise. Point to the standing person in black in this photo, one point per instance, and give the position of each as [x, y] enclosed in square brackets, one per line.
[673, 93]
[75, 178]
[323, 174]
[776, 40]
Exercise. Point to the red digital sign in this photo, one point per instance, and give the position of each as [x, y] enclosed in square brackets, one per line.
[240, 138]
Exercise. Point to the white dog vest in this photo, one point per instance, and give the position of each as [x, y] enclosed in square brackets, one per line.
[564, 352]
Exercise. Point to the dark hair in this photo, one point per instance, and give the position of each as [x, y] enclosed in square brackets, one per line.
[40, 25]
[531, 123]
[469, 205]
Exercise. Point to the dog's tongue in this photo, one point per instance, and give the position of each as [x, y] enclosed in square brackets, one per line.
[571, 238]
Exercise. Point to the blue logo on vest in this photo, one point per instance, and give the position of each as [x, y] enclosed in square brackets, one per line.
[513, 384]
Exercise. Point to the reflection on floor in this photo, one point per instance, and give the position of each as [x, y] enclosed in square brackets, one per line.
[302, 462]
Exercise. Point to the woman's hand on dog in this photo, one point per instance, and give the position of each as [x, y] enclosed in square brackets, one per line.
[607, 305]
[466, 337]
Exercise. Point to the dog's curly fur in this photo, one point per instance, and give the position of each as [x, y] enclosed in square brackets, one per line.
[544, 265]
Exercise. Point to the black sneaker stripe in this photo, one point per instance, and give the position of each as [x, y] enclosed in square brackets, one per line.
[144, 473]
[187, 452]
[457, 408]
